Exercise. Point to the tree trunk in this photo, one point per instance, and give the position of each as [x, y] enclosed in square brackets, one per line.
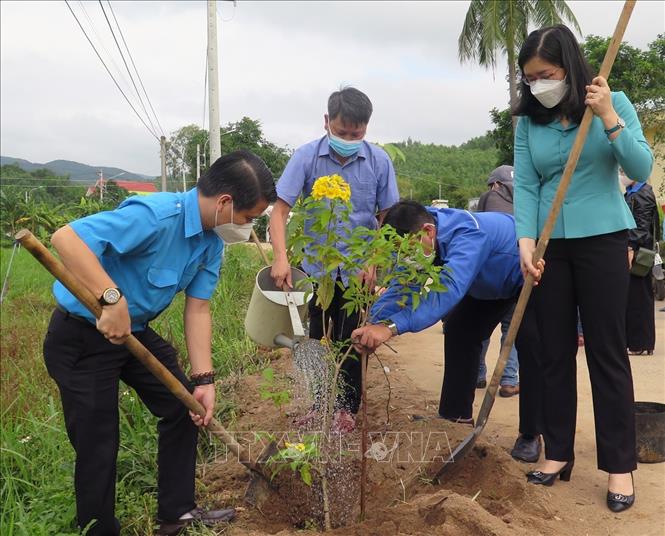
[512, 78]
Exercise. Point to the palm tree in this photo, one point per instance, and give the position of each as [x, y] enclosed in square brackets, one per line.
[495, 26]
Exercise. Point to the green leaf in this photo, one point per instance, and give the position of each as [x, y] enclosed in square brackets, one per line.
[306, 474]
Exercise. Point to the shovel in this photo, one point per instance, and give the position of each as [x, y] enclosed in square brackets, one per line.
[260, 482]
[490, 394]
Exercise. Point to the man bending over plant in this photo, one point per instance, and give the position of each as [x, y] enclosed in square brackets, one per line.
[482, 274]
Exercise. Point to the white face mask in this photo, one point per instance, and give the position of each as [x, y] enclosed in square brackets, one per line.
[549, 92]
[232, 233]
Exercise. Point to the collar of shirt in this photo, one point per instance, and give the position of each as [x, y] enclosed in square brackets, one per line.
[557, 125]
[635, 187]
[325, 150]
[192, 213]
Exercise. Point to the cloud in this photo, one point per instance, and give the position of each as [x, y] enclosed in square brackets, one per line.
[279, 61]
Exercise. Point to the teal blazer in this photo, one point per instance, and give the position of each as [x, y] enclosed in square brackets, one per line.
[594, 203]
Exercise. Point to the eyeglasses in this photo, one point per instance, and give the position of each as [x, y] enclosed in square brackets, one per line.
[546, 76]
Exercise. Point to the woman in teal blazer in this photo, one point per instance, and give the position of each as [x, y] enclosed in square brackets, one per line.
[586, 260]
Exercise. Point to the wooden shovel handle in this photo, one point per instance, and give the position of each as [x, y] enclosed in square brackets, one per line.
[262, 252]
[69, 280]
[546, 233]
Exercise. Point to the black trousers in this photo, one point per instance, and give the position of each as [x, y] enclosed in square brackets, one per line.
[468, 325]
[343, 325]
[640, 321]
[87, 369]
[591, 273]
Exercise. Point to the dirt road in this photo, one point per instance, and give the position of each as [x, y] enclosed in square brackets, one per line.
[583, 499]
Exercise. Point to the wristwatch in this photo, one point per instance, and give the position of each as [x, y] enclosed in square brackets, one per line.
[620, 124]
[391, 326]
[110, 296]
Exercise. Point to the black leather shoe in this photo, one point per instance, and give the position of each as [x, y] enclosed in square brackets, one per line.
[618, 502]
[204, 517]
[527, 449]
[481, 384]
[547, 479]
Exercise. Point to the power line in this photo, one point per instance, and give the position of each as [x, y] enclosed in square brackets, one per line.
[122, 56]
[108, 71]
[48, 186]
[232, 14]
[118, 70]
[131, 59]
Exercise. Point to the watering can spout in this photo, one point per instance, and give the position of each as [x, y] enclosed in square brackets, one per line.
[283, 341]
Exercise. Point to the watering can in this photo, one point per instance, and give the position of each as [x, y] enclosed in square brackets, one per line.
[274, 317]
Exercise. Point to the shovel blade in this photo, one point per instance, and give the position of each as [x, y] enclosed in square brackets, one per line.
[458, 453]
[260, 488]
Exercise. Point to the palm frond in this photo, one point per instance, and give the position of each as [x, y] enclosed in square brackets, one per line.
[550, 12]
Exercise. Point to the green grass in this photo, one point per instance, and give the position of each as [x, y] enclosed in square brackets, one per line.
[36, 459]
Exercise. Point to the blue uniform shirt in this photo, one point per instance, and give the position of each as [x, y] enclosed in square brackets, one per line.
[482, 259]
[152, 247]
[370, 175]
[635, 187]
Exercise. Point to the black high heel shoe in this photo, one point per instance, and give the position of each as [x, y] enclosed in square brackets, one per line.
[618, 502]
[547, 479]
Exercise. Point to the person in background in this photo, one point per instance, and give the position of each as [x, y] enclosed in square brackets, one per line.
[499, 198]
[135, 259]
[370, 174]
[587, 254]
[640, 321]
[483, 281]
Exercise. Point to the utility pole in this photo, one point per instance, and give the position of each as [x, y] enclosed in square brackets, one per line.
[162, 154]
[198, 162]
[101, 186]
[213, 84]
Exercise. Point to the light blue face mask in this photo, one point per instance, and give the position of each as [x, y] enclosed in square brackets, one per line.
[343, 147]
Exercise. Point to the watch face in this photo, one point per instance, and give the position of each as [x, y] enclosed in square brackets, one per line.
[111, 295]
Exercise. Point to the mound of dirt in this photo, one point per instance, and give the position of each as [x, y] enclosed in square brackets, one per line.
[483, 494]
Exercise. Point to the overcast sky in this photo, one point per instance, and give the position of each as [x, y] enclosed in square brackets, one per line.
[279, 61]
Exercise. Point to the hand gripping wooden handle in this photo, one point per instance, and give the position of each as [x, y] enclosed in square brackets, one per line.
[58, 270]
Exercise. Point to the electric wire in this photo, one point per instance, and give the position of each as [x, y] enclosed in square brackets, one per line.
[232, 14]
[118, 71]
[131, 59]
[108, 71]
[124, 61]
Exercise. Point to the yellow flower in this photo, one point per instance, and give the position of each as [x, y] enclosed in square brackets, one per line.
[298, 446]
[331, 187]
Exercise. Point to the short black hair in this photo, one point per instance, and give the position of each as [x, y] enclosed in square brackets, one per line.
[351, 104]
[556, 45]
[242, 175]
[407, 217]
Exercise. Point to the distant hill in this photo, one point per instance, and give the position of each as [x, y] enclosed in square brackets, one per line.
[458, 172]
[77, 172]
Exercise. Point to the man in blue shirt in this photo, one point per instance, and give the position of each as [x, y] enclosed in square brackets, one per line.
[483, 280]
[370, 174]
[135, 259]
